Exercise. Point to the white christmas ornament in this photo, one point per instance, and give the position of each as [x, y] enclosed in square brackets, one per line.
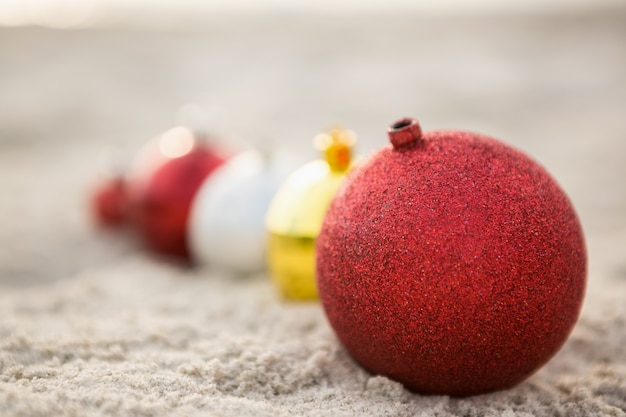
[227, 220]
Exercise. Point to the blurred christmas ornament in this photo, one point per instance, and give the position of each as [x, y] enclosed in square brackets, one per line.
[451, 262]
[108, 198]
[296, 212]
[108, 202]
[162, 184]
[227, 223]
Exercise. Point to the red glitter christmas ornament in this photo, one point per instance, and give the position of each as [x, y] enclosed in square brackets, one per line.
[163, 184]
[451, 262]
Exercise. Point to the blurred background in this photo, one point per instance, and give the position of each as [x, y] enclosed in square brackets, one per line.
[80, 79]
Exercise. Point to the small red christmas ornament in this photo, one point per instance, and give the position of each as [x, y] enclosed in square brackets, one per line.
[162, 186]
[451, 262]
[108, 203]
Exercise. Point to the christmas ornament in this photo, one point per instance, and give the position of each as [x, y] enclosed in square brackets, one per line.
[451, 262]
[296, 212]
[162, 185]
[108, 202]
[227, 223]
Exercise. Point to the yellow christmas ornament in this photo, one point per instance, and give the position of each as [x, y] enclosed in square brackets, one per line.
[296, 213]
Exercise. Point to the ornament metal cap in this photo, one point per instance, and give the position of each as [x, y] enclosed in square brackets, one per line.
[336, 144]
[405, 133]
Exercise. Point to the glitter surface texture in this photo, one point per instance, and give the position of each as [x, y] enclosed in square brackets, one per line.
[455, 266]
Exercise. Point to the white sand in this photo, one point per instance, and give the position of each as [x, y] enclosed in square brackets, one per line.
[90, 325]
[141, 338]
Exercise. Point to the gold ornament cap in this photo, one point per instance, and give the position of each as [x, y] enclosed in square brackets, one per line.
[336, 145]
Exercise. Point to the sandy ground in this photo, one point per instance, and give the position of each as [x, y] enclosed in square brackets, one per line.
[91, 325]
